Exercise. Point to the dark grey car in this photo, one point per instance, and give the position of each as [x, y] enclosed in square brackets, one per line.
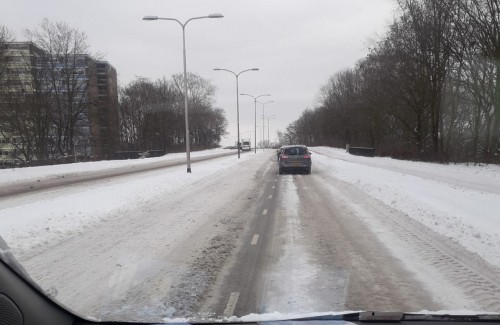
[295, 158]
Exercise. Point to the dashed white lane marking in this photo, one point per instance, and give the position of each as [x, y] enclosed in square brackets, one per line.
[254, 239]
[274, 186]
[305, 188]
[264, 212]
[270, 196]
[275, 180]
[231, 304]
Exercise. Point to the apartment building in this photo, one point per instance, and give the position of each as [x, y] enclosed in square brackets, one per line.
[104, 117]
[20, 62]
[89, 92]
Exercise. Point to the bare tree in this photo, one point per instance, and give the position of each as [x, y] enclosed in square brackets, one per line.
[430, 25]
[482, 25]
[152, 114]
[6, 36]
[67, 71]
[27, 117]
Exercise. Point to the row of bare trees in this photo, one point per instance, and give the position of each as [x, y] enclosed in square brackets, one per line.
[152, 114]
[429, 89]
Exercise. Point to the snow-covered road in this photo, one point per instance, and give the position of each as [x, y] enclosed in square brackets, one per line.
[333, 241]
[98, 244]
[236, 238]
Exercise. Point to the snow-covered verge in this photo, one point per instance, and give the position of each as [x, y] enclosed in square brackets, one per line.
[461, 202]
[16, 175]
[49, 218]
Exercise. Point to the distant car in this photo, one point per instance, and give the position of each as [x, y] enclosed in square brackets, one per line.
[246, 146]
[295, 158]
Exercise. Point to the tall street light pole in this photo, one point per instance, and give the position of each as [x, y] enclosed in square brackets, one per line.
[263, 136]
[255, 111]
[237, 100]
[269, 127]
[186, 116]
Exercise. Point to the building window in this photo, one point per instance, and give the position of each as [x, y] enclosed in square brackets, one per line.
[18, 47]
[15, 59]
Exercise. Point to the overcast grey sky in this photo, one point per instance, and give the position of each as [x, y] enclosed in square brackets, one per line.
[297, 45]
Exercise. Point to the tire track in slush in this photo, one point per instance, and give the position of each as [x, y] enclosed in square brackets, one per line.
[479, 281]
[356, 266]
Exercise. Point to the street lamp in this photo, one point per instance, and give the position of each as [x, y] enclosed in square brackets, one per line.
[272, 117]
[255, 106]
[188, 149]
[237, 100]
[263, 136]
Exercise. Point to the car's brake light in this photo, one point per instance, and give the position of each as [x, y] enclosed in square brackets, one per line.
[284, 157]
[307, 156]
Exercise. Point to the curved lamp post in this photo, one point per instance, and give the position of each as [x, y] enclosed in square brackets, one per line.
[255, 106]
[188, 149]
[263, 136]
[237, 100]
[272, 117]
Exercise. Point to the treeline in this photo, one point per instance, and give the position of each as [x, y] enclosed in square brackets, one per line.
[429, 89]
[152, 114]
[56, 106]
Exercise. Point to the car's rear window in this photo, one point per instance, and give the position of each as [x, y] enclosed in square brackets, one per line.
[295, 151]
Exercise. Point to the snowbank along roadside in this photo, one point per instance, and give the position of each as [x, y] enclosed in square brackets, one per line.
[461, 202]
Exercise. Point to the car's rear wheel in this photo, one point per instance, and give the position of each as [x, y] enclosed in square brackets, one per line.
[308, 170]
[281, 171]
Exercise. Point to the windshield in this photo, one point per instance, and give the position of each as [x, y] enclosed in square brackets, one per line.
[295, 151]
[210, 160]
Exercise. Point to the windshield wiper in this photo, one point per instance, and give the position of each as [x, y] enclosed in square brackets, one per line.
[357, 317]
[378, 316]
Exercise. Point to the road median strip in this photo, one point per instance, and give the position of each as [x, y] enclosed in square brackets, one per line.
[85, 176]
